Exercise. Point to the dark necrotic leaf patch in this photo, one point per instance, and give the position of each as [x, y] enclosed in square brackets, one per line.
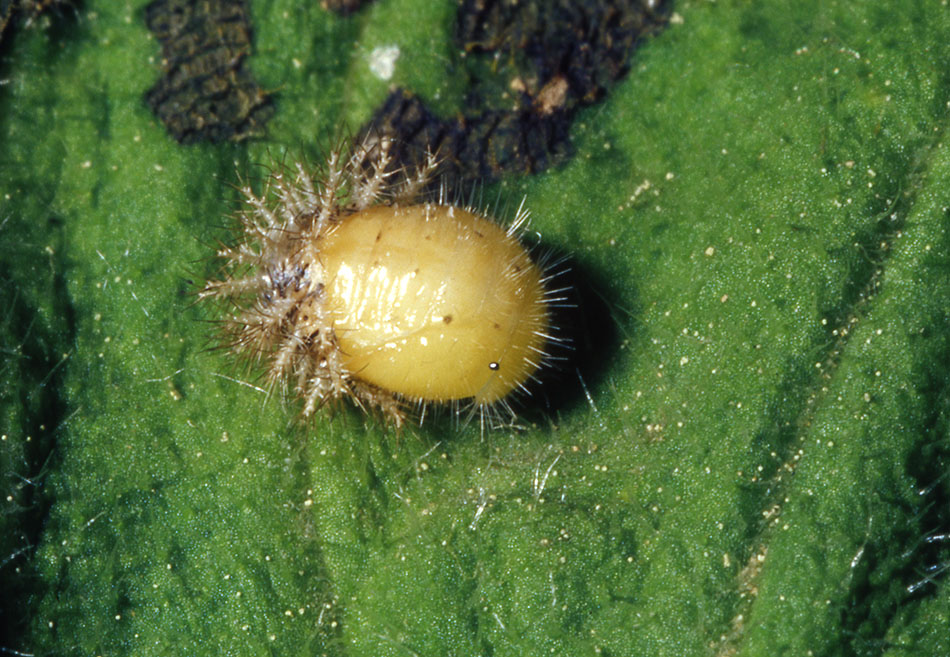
[343, 7]
[557, 55]
[205, 93]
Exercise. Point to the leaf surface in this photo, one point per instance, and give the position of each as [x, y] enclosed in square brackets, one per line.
[758, 212]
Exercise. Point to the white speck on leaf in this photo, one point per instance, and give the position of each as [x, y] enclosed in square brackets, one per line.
[382, 61]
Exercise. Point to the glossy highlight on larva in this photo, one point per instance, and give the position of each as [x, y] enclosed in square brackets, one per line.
[352, 284]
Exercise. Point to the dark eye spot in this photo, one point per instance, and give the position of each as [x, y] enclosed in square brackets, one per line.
[494, 366]
[447, 319]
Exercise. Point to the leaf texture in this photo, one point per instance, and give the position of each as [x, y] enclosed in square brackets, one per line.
[754, 461]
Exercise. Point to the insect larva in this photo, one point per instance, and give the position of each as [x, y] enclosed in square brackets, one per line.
[350, 284]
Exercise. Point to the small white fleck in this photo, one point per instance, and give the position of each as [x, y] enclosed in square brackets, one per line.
[382, 61]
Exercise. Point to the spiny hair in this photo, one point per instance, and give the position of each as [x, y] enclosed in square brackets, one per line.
[271, 273]
[272, 277]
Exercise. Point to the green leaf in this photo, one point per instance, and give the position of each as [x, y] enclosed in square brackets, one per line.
[759, 466]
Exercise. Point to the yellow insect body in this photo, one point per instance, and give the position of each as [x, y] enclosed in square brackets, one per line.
[353, 286]
[434, 303]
